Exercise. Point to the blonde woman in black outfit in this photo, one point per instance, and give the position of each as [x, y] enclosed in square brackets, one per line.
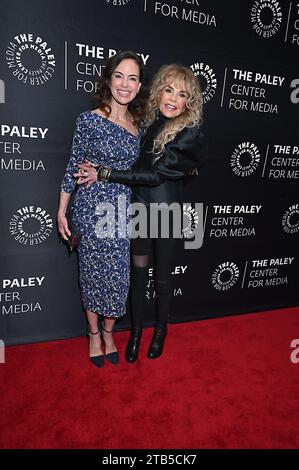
[171, 147]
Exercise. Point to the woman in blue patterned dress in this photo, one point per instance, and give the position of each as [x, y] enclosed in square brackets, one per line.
[108, 135]
[171, 147]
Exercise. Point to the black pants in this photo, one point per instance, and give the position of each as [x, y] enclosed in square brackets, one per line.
[163, 250]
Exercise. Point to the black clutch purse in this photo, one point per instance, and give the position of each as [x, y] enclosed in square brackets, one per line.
[74, 238]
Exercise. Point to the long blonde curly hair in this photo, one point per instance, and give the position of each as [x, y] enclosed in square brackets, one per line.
[184, 78]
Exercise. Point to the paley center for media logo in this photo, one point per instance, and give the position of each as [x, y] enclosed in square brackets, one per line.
[225, 276]
[266, 17]
[207, 79]
[31, 225]
[290, 219]
[245, 159]
[30, 59]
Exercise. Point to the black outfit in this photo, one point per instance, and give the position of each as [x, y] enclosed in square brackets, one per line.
[154, 178]
[157, 179]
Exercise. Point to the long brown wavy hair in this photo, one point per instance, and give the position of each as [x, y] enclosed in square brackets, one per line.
[184, 78]
[103, 96]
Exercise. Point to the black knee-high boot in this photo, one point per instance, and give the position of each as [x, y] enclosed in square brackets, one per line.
[164, 300]
[138, 291]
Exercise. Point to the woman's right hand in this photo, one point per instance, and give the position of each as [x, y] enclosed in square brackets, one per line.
[87, 173]
[63, 228]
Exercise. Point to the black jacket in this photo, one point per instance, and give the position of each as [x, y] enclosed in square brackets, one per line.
[156, 179]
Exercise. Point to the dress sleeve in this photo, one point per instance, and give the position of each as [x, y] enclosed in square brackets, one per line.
[78, 154]
[180, 156]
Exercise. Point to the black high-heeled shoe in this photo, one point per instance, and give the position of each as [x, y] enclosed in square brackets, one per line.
[133, 345]
[98, 361]
[157, 344]
[112, 357]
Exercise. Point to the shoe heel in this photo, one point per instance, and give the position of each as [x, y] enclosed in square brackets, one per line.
[112, 357]
[98, 361]
[157, 344]
[133, 346]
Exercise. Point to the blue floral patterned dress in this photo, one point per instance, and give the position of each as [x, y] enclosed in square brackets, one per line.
[101, 213]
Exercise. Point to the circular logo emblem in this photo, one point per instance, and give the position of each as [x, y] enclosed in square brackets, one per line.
[207, 79]
[266, 17]
[31, 225]
[290, 220]
[118, 3]
[30, 59]
[245, 159]
[190, 221]
[225, 276]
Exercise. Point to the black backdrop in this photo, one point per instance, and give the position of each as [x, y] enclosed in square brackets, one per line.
[244, 56]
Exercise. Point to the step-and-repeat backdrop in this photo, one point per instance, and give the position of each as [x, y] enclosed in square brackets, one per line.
[245, 55]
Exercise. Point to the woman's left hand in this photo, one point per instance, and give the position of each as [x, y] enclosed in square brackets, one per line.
[87, 173]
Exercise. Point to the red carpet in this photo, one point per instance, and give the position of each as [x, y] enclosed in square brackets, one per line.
[222, 383]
